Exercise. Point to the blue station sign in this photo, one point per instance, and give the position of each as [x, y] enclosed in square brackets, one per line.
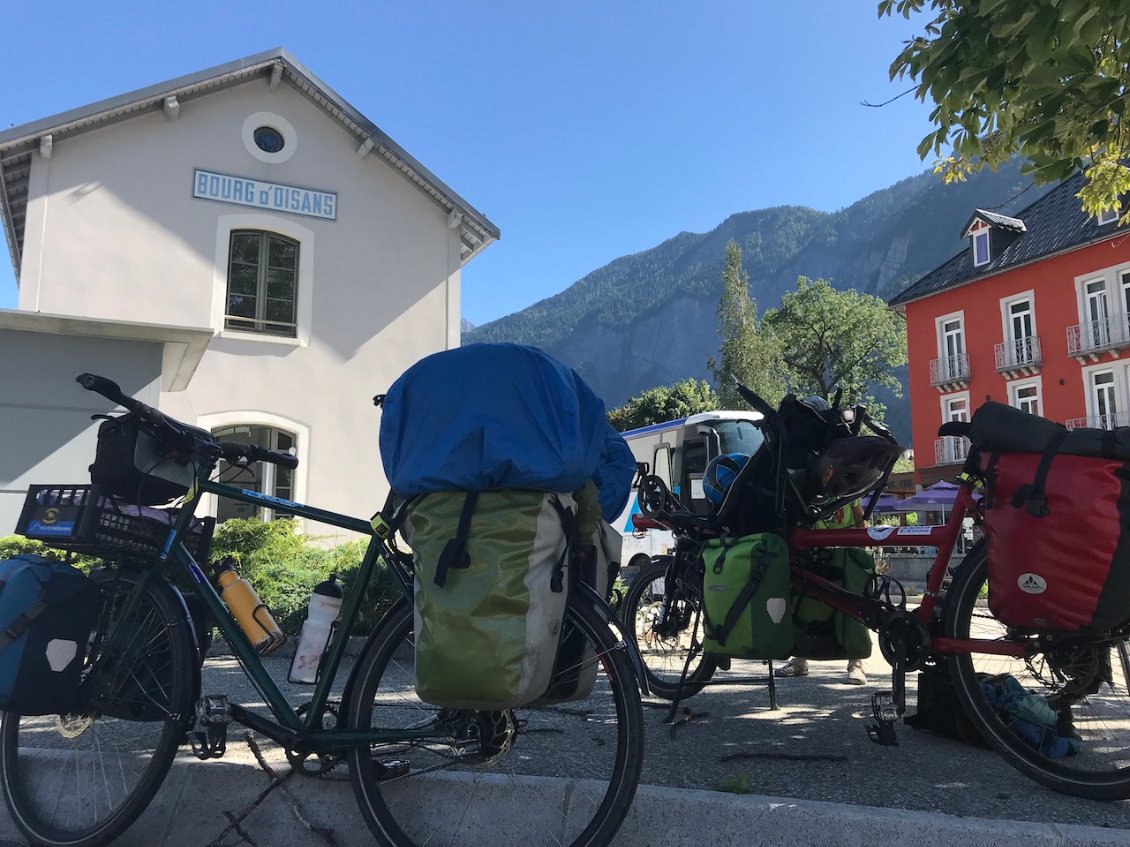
[259, 194]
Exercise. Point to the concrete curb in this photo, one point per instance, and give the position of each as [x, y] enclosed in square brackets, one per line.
[189, 811]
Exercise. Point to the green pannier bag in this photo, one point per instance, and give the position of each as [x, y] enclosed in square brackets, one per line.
[746, 597]
[822, 632]
[490, 593]
[594, 561]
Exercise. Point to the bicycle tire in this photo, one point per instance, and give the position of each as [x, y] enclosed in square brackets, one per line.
[433, 797]
[152, 699]
[1100, 718]
[664, 658]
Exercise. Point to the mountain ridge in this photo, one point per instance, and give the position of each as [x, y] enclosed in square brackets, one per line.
[648, 318]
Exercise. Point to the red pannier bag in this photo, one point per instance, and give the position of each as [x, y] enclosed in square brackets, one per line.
[1057, 520]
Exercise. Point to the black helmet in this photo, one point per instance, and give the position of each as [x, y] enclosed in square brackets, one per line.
[850, 467]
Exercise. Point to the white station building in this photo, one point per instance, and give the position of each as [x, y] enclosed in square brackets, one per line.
[243, 249]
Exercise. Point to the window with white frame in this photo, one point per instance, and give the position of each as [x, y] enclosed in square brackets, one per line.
[951, 347]
[262, 291]
[1107, 216]
[1025, 396]
[979, 233]
[264, 477]
[951, 448]
[1103, 399]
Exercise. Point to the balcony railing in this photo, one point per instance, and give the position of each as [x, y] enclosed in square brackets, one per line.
[1020, 354]
[950, 450]
[1104, 334]
[1108, 421]
[950, 370]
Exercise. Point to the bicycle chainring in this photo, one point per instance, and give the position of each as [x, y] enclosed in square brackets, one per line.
[312, 764]
[904, 636]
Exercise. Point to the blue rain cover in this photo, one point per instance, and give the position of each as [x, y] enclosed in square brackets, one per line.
[491, 416]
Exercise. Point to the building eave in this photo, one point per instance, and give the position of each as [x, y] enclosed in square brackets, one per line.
[182, 347]
[18, 144]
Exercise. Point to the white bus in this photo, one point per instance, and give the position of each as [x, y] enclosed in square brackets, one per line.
[678, 452]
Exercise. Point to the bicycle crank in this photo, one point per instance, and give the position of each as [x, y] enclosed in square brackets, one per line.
[904, 639]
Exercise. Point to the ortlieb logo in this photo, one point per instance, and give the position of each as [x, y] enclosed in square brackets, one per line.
[1032, 583]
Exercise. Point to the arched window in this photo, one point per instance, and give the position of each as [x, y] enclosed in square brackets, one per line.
[261, 476]
[262, 293]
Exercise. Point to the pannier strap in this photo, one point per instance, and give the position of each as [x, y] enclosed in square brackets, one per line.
[569, 524]
[455, 555]
[20, 624]
[1032, 494]
[743, 599]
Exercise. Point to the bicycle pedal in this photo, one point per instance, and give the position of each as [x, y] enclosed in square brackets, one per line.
[213, 715]
[210, 742]
[392, 768]
[885, 711]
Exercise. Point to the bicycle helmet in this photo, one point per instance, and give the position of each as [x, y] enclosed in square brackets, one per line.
[850, 467]
[720, 475]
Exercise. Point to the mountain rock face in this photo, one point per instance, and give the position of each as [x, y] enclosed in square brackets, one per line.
[649, 319]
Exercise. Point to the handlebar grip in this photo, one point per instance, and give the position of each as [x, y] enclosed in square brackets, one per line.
[283, 460]
[961, 428]
[106, 387]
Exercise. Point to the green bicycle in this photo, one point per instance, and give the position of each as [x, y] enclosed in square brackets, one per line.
[421, 774]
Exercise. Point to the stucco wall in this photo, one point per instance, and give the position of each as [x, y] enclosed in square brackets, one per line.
[1056, 308]
[113, 231]
[45, 415]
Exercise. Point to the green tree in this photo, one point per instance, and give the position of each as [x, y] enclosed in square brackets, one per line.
[1047, 78]
[832, 340]
[746, 354]
[666, 403]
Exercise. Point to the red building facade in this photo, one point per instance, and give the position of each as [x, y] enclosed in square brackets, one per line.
[1034, 312]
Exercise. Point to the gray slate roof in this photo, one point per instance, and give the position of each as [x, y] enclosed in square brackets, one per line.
[19, 143]
[1053, 224]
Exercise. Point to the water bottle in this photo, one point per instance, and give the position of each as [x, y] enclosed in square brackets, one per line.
[249, 611]
[321, 617]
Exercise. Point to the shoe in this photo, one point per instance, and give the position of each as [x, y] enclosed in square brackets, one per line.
[855, 674]
[796, 667]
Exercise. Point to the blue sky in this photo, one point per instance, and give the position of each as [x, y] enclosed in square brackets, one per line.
[585, 130]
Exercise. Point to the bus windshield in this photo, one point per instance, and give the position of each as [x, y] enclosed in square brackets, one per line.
[738, 436]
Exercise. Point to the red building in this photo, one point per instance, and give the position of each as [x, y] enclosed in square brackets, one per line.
[1034, 312]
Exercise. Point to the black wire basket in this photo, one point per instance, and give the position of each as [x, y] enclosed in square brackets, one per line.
[83, 519]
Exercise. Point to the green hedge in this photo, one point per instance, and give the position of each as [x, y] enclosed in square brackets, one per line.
[283, 565]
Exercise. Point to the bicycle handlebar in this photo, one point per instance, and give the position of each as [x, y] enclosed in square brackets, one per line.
[183, 437]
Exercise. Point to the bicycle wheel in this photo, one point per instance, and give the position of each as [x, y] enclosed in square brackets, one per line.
[664, 649]
[1085, 683]
[554, 774]
[80, 779]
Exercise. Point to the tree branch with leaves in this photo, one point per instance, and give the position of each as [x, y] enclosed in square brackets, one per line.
[1049, 79]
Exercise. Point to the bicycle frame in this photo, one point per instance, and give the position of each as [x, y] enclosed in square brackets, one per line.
[288, 729]
[871, 610]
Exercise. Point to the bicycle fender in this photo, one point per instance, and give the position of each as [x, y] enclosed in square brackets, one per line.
[588, 595]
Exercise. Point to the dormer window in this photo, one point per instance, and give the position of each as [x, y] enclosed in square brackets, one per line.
[979, 233]
[1108, 216]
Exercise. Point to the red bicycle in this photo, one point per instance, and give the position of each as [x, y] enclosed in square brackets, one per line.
[1080, 681]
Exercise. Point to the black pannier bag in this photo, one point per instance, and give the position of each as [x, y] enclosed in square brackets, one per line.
[1057, 520]
[47, 612]
[130, 463]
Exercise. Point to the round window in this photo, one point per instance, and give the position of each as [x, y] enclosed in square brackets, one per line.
[268, 139]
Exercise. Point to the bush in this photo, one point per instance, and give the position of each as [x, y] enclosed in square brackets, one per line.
[284, 567]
